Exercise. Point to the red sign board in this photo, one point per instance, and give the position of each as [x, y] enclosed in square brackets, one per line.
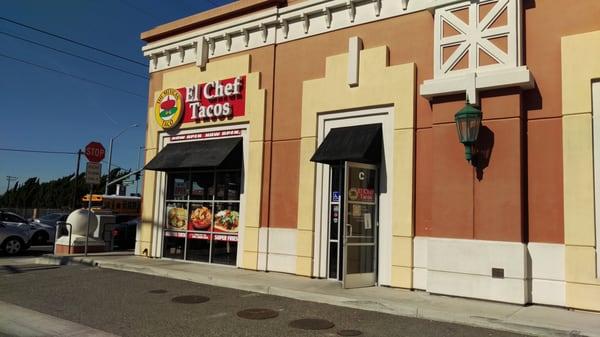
[216, 100]
[94, 152]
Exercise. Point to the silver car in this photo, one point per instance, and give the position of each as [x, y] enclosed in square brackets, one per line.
[46, 227]
[41, 233]
[14, 239]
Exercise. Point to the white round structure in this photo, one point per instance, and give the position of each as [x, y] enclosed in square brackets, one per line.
[79, 219]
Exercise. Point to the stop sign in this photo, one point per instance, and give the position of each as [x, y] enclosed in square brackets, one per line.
[94, 152]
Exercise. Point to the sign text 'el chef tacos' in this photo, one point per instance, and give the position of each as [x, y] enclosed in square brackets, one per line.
[215, 100]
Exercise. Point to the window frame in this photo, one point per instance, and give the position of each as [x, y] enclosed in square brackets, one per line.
[188, 201]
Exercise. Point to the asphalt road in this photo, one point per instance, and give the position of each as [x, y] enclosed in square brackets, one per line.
[121, 303]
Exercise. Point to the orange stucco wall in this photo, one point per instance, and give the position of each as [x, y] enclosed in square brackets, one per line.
[546, 21]
[467, 203]
[527, 147]
[301, 60]
[517, 197]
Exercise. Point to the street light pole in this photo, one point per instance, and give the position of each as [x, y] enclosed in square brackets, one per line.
[135, 125]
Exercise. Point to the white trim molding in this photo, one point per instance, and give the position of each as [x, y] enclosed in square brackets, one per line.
[474, 82]
[274, 26]
[477, 46]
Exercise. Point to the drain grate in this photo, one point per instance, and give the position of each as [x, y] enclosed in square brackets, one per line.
[349, 333]
[311, 324]
[157, 291]
[257, 313]
[190, 299]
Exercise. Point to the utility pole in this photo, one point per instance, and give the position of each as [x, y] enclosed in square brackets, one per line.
[8, 180]
[75, 183]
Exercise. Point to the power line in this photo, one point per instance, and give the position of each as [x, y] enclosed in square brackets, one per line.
[73, 41]
[35, 151]
[213, 2]
[53, 152]
[141, 10]
[71, 75]
[71, 54]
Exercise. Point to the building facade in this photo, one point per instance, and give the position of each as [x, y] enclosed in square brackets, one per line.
[318, 138]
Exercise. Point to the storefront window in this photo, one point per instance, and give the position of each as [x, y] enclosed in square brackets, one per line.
[202, 216]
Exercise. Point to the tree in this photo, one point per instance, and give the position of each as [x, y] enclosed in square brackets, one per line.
[57, 193]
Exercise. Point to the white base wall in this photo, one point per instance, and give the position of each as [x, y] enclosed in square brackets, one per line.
[464, 268]
[547, 273]
[277, 249]
[533, 273]
[420, 263]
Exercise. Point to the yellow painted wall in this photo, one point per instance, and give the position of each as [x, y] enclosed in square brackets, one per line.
[254, 117]
[580, 65]
[379, 85]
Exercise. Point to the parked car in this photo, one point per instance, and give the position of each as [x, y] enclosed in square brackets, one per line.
[52, 218]
[41, 233]
[123, 234]
[14, 238]
[47, 224]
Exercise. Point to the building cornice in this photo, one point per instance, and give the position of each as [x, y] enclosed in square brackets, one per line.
[215, 15]
[270, 26]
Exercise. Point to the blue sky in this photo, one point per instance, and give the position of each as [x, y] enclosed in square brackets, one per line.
[44, 110]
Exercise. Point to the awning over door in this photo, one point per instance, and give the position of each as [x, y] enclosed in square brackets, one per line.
[361, 143]
[225, 152]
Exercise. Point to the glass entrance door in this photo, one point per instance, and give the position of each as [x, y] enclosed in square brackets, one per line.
[359, 225]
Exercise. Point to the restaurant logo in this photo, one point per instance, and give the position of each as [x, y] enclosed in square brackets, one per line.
[361, 194]
[168, 108]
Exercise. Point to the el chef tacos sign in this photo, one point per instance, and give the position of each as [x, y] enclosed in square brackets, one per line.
[215, 100]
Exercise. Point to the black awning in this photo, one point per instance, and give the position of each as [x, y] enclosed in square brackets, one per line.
[361, 143]
[225, 152]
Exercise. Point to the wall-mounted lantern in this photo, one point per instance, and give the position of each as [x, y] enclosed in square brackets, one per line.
[468, 121]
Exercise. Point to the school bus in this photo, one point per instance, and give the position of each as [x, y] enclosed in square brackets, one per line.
[116, 204]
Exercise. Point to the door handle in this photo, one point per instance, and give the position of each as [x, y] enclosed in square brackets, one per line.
[348, 229]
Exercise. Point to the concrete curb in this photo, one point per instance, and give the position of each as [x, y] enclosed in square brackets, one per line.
[510, 324]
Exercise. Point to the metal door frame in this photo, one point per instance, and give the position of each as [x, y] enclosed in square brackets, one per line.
[367, 280]
[340, 233]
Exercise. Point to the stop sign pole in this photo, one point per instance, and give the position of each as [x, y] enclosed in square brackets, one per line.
[94, 152]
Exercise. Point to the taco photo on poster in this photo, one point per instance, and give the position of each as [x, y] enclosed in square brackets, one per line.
[227, 221]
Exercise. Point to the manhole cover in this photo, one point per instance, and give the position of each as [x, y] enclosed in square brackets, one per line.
[257, 313]
[190, 299]
[349, 333]
[157, 291]
[311, 324]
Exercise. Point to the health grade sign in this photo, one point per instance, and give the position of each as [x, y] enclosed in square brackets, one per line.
[215, 100]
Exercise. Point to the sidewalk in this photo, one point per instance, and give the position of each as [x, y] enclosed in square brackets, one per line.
[16, 321]
[533, 319]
